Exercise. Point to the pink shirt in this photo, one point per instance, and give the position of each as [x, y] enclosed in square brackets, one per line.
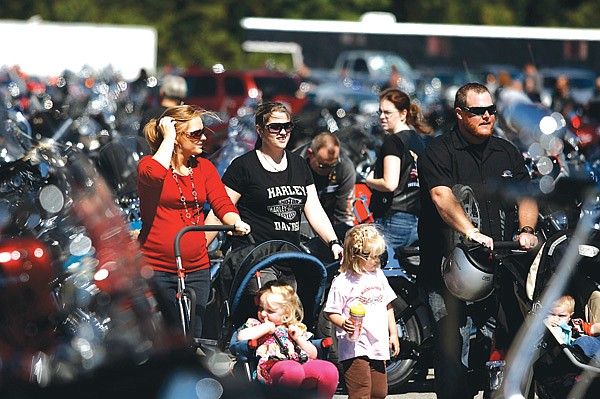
[374, 292]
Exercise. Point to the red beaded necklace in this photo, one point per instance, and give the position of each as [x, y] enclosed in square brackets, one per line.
[183, 200]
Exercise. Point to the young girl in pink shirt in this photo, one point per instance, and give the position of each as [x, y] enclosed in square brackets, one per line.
[362, 281]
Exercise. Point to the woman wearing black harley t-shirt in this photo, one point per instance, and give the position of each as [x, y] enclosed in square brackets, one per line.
[272, 186]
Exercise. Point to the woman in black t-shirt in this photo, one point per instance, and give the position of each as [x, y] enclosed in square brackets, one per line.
[395, 182]
[272, 186]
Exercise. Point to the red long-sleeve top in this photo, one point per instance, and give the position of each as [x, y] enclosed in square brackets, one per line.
[162, 212]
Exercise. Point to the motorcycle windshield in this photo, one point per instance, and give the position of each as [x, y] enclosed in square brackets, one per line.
[118, 161]
[241, 138]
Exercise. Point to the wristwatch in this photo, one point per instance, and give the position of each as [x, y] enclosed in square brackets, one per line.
[527, 229]
[333, 242]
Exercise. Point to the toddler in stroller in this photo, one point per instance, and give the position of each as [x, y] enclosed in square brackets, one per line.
[240, 276]
[559, 363]
[575, 350]
[574, 332]
[286, 356]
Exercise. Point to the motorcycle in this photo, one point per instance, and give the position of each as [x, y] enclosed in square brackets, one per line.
[72, 280]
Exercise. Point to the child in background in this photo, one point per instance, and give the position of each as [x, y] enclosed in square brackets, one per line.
[362, 281]
[286, 355]
[576, 332]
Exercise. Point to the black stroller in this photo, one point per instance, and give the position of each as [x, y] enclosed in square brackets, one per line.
[556, 367]
[238, 269]
[232, 302]
[559, 365]
[238, 302]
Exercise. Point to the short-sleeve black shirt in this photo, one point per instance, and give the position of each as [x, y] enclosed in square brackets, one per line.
[449, 160]
[408, 146]
[271, 202]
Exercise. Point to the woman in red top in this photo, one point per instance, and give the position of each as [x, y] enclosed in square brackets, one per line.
[173, 185]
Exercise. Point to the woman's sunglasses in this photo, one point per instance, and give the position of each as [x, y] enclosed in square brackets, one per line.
[195, 135]
[275, 128]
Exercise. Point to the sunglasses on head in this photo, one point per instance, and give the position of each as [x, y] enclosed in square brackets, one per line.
[196, 135]
[491, 110]
[276, 127]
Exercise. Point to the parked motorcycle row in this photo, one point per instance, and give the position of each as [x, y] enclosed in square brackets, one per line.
[74, 295]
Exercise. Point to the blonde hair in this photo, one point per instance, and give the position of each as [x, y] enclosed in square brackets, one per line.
[364, 238]
[567, 301]
[293, 311]
[183, 114]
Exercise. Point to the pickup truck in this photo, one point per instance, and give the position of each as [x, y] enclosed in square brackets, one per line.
[370, 66]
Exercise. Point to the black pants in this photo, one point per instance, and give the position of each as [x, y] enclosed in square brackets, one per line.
[198, 281]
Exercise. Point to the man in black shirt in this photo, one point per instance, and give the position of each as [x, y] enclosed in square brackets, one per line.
[461, 175]
[334, 176]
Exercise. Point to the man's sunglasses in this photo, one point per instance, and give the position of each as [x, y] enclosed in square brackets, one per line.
[328, 165]
[491, 110]
[275, 128]
[195, 135]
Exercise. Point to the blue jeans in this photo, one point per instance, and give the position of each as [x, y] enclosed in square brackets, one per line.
[399, 229]
[198, 281]
[590, 345]
[451, 360]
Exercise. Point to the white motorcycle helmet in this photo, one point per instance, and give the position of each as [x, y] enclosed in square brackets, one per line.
[468, 275]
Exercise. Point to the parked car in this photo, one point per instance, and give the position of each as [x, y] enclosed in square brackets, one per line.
[375, 67]
[349, 99]
[226, 91]
[581, 82]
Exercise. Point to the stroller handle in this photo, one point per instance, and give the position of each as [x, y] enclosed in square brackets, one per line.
[186, 229]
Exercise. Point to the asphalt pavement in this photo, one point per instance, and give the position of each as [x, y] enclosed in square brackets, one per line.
[422, 389]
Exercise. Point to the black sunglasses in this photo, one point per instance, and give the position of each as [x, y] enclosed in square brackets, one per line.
[382, 258]
[328, 165]
[491, 110]
[197, 134]
[276, 127]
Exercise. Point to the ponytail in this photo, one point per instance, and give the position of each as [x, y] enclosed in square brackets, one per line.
[153, 137]
[402, 102]
[414, 118]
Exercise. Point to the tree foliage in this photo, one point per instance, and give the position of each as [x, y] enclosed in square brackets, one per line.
[205, 33]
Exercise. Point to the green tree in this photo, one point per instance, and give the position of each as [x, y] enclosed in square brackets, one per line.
[205, 33]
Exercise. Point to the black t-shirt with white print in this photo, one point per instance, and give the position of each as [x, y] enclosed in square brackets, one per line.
[271, 202]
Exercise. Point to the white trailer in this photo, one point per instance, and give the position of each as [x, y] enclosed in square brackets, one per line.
[47, 48]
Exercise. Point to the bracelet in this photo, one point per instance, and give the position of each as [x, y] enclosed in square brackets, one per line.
[527, 229]
[470, 232]
[333, 242]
